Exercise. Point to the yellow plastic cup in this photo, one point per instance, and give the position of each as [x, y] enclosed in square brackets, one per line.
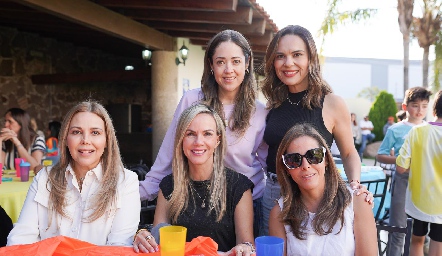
[172, 240]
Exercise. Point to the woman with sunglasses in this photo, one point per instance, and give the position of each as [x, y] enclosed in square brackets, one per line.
[201, 194]
[296, 93]
[317, 213]
[228, 86]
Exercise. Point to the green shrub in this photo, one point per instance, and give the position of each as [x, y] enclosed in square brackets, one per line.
[383, 107]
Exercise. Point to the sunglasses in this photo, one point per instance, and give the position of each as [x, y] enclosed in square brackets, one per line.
[313, 156]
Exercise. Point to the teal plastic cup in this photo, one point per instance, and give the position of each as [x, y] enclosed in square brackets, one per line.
[269, 246]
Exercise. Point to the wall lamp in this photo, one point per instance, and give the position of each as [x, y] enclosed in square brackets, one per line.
[184, 51]
[147, 55]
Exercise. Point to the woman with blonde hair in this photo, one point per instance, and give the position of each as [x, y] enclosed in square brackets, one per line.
[317, 213]
[202, 194]
[87, 195]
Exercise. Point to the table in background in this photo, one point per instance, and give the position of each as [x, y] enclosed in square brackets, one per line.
[372, 173]
[13, 194]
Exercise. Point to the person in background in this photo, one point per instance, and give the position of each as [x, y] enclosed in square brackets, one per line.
[34, 127]
[228, 86]
[87, 195]
[366, 127]
[420, 155]
[296, 93]
[52, 141]
[389, 123]
[201, 194]
[317, 213]
[415, 105]
[401, 115]
[19, 140]
[355, 130]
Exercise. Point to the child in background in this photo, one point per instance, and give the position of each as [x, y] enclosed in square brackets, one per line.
[420, 155]
[415, 104]
[52, 141]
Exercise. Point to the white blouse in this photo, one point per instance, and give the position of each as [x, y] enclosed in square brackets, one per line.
[342, 244]
[115, 227]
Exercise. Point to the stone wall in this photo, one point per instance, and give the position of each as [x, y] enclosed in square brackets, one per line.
[25, 54]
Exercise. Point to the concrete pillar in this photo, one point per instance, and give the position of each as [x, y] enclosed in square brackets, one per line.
[164, 95]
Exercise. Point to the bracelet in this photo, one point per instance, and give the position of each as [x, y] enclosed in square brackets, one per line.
[357, 181]
[251, 246]
[139, 230]
[21, 145]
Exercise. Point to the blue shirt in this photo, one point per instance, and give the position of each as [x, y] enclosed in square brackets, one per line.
[395, 137]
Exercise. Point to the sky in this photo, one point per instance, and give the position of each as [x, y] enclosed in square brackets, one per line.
[378, 37]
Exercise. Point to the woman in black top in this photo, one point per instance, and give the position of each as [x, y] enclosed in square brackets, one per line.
[296, 93]
[201, 194]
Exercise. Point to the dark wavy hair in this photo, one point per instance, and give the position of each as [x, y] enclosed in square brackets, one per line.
[275, 90]
[336, 195]
[245, 99]
[26, 135]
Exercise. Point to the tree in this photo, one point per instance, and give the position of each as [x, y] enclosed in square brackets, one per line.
[369, 93]
[425, 29]
[405, 19]
[383, 107]
[437, 63]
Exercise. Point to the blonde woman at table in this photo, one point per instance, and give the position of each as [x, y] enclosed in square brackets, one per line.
[87, 195]
[19, 140]
[228, 86]
[318, 214]
[202, 194]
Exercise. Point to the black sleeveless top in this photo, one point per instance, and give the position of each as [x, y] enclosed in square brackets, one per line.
[282, 118]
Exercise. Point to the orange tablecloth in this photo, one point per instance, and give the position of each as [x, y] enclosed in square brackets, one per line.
[13, 194]
[64, 246]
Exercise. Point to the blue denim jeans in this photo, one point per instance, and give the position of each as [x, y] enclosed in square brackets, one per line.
[365, 138]
[272, 193]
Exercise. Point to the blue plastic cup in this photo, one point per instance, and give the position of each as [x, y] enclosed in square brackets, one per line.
[269, 246]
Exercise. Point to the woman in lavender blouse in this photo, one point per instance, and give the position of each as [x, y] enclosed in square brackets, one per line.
[228, 86]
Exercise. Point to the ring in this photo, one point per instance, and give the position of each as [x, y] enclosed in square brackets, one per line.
[240, 250]
[148, 237]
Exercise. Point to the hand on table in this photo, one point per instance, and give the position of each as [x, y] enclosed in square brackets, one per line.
[144, 242]
[244, 249]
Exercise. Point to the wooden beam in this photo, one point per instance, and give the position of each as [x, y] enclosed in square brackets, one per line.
[261, 40]
[243, 15]
[207, 5]
[102, 19]
[256, 28]
[102, 76]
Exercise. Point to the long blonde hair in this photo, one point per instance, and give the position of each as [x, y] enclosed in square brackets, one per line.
[110, 160]
[336, 195]
[180, 166]
[275, 90]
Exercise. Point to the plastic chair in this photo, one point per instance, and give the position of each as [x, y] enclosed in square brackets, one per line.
[379, 189]
[406, 230]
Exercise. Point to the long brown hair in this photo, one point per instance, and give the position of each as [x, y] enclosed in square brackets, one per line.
[336, 195]
[111, 164]
[275, 90]
[180, 166]
[245, 99]
[26, 135]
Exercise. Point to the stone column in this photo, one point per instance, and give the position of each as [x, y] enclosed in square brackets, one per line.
[164, 95]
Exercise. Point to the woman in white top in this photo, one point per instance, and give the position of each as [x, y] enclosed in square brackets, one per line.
[317, 213]
[87, 195]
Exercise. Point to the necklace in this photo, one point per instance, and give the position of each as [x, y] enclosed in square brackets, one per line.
[296, 103]
[80, 182]
[203, 204]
